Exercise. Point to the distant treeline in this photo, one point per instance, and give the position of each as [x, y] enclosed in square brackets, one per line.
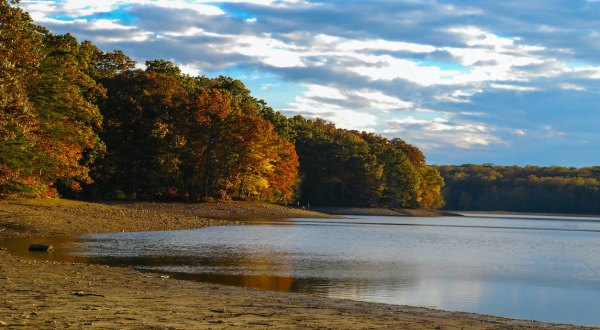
[524, 189]
[81, 122]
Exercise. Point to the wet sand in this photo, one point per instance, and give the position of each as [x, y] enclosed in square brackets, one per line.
[55, 295]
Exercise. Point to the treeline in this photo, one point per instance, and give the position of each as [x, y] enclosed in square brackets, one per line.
[523, 189]
[350, 168]
[171, 135]
[82, 122]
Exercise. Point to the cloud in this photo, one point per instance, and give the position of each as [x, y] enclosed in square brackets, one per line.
[441, 132]
[551, 133]
[106, 24]
[571, 86]
[486, 75]
[344, 118]
[324, 92]
[514, 87]
[266, 49]
[77, 8]
[381, 101]
[521, 132]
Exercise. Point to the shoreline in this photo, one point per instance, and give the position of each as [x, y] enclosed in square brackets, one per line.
[536, 214]
[49, 294]
[380, 211]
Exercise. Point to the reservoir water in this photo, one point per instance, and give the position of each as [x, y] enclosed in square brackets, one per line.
[543, 268]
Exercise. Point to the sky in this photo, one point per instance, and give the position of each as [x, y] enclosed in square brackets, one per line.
[508, 82]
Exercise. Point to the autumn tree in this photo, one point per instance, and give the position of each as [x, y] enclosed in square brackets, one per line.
[206, 121]
[141, 134]
[192, 138]
[20, 54]
[64, 97]
[232, 152]
[254, 163]
[67, 107]
[47, 111]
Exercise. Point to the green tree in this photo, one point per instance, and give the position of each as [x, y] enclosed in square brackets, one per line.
[64, 97]
[526, 189]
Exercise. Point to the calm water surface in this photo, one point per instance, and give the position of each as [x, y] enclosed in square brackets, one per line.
[543, 268]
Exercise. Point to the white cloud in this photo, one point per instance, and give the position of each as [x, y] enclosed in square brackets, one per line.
[193, 31]
[550, 132]
[588, 71]
[389, 68]
[363, 100]
[325, 92]
[486, 57]
[514, 87]
[267, 86]
[571, 87]
[208, 10]
[458, 96]
[473, 36]
[268, 50]
[381, 101]
[134, 36]
[105, 24]
[73, 8]
[343, 118]
[352, 109]
[520, 132]
[442, 133]
[347, 45]
[190, 69]
[77, 8]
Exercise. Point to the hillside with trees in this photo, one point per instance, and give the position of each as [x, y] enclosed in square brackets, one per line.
[84, 123]
[525, 189]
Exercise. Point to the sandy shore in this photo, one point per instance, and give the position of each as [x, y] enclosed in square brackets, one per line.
[55, 295]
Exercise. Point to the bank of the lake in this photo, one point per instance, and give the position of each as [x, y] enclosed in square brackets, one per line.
[45, 294]
[380, 211]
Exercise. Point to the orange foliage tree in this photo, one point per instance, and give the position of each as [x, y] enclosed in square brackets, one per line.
[171, 135]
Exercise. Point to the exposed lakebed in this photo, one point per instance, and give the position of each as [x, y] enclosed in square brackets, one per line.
[543, 268]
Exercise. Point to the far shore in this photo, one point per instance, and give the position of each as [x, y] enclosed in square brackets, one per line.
[49, 295]
[378, 211]
[537, 214]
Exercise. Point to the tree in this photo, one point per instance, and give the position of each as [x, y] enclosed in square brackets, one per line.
[166, 137]
[350, 168]
[141, 134]
[64, 97]
[47, 111]
[208, 112]
[525, 189]
[66, 107]
[20, 54]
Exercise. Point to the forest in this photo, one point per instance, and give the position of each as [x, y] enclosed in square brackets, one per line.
[524, 189]
[80, 122]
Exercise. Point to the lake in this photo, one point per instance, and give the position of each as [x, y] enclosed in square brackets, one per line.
[529, 267]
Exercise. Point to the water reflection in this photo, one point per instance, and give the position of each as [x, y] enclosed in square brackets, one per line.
[69, 247]
[546, 269]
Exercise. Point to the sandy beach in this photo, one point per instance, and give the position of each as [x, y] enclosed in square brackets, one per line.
[55, 295]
